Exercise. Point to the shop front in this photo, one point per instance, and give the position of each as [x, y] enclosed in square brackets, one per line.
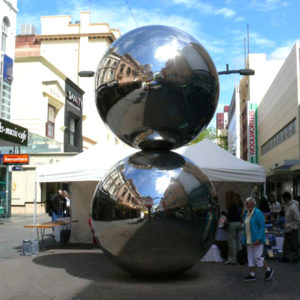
[284, 178]
[12, 136]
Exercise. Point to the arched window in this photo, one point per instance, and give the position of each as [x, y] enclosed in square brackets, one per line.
[128, 71]
[4, 29]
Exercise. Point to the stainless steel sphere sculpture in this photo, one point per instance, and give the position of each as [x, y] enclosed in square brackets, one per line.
[155, 212]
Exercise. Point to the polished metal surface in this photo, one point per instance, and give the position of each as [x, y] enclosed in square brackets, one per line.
[156, 88]
[155, 213]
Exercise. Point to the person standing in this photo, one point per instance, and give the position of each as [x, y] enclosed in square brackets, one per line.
[57, 205]
[291, 227]
[264, 205]
[254, 238]
[234, 227]
[275, 207]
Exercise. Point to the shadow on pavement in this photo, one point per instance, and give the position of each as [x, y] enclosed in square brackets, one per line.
[97, 267]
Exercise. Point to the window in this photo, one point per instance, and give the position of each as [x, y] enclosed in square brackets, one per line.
[5, 25]
[124, 192]
[285, 133]
[128, 71]
[122, 68]
[72, 137]
[50, 125]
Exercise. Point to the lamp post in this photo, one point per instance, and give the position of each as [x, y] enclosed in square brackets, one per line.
[246, 72]
[86, 73]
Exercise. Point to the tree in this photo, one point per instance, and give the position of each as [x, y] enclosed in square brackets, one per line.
[208, 133]
[222, 141]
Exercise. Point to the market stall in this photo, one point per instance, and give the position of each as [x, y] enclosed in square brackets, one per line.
[85, 170]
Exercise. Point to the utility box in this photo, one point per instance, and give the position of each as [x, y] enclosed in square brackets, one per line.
[30, 247]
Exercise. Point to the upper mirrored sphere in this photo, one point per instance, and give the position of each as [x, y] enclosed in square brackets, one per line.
[156, 88]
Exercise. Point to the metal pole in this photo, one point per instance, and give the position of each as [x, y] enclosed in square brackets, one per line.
[34, 214]
[1, 82]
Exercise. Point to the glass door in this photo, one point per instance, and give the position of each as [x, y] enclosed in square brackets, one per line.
[3, 194]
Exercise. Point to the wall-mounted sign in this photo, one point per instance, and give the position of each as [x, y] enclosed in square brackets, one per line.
[13, 133]
[17, 168]
[15, 159]
[74, 99]
[7, 69]
[74, 95]
[252, 133]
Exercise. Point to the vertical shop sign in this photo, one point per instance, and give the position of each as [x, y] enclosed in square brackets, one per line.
[7, 68]
[252, 132]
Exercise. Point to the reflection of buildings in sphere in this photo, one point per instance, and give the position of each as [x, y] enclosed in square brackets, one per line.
[121, 189]
[180, 214]
[124, 69]
[162, 92]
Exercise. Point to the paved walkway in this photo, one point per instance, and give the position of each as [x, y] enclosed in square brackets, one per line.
[83, 272]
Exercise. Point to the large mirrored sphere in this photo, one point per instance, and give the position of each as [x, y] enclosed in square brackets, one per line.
[155, 214]
[156, 88]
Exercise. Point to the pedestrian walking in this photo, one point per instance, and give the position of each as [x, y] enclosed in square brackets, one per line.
[254, 238]
[291, 227]
[234, 226]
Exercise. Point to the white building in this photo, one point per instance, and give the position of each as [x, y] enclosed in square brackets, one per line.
[8, 14]
[278, 128]
[75, 47]
[234, 131]
[251, 91]
[41, 102]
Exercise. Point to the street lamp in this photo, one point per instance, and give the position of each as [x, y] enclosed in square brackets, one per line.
[86, 73]
[246, 72]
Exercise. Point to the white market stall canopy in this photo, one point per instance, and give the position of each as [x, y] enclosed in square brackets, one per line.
[90, 165]
[219, 165]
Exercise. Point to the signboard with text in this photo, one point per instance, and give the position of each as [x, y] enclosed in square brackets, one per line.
[15, 159]
[13, 133]
[74, 95]
[7, 69]
[252, 132]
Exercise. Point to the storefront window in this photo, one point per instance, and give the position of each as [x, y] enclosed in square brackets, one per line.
[5, 25]
[3, 198]
[51, 121]
[72, 132]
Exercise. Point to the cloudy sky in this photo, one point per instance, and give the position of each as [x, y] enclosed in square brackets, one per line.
[219, 25]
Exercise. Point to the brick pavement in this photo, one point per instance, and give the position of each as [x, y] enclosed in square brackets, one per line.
[83, 272]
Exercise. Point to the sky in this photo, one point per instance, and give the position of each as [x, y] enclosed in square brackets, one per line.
[219, 25]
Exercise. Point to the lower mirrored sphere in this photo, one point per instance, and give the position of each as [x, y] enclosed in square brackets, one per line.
[155, 213]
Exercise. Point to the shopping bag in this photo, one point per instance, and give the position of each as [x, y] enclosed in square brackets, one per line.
[241, 256]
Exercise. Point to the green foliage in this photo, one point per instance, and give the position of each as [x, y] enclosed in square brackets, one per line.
[208, 133]
[222, 141]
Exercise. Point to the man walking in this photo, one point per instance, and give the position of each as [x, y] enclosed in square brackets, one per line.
[292, 222]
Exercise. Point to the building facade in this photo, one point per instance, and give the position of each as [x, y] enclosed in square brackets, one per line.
[49, 104]
[234, 138]
[8, 15]
[222, 126]
[269, 120]
[76, 47]
[278, 128]
[251, 91]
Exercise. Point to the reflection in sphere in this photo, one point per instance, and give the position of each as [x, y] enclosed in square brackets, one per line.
[154, 213]
[156, 88]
